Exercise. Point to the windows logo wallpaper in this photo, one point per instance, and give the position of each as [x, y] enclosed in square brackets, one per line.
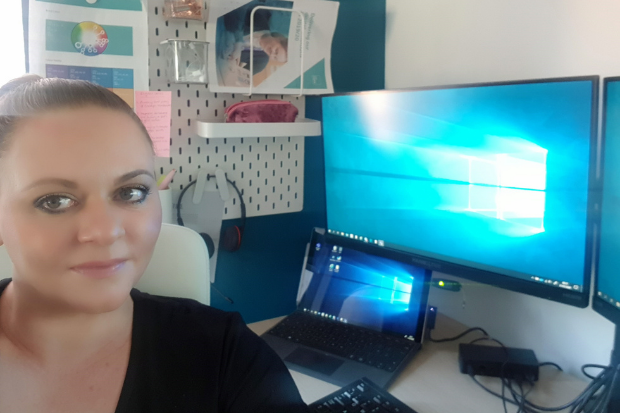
[492, 176]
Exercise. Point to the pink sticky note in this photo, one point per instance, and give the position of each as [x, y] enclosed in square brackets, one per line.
[155, 109]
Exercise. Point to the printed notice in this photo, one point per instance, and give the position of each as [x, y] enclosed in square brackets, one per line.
[264, 43]
[104, 42]
[155, 110]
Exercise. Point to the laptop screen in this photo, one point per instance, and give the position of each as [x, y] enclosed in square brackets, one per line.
[365, 285]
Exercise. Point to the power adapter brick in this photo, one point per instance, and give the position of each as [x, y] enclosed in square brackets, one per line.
[509, 363]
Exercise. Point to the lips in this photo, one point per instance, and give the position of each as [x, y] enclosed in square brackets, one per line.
[100, 269]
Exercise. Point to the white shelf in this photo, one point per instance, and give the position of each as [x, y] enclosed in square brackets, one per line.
[301, 127]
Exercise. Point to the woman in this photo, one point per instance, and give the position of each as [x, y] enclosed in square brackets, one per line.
[79, 217]
[275, 45]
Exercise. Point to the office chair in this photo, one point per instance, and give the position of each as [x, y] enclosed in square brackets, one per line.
[179, 266]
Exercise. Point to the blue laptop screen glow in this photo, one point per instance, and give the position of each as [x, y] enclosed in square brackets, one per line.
[365, 290]
[492, 177]
[609, 251]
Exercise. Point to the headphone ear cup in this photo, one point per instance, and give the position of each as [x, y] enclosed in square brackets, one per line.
[210, 244]
[232, 239]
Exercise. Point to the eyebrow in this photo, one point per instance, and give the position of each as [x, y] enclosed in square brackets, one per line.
[72, 185]
[133, 174]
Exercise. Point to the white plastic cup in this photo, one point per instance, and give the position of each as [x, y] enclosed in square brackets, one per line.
[165, 197]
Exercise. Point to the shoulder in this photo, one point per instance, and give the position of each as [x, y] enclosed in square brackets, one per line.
[181, 313]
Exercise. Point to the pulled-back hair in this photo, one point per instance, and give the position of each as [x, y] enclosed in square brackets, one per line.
[31, 94]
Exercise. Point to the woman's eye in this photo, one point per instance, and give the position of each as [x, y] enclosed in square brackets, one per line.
[55, 203]
[133, 195]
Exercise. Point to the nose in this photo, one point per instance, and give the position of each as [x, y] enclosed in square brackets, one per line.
[99, 223]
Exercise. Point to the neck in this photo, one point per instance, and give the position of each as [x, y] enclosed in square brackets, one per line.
[50, 335]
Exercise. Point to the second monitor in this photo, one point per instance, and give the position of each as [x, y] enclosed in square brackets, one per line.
[491, 182]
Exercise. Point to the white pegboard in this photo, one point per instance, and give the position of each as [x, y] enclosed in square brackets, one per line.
[269, 172]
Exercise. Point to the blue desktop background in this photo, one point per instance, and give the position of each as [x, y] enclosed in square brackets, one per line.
[366, 290]
[494, 177]
[609, 250]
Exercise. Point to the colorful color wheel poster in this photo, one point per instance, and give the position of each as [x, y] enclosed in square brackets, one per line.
[89, 38]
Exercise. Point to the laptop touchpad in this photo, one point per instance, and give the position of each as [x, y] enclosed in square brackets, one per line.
[314, 361]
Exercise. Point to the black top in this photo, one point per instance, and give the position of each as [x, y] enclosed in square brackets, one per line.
[188, 357]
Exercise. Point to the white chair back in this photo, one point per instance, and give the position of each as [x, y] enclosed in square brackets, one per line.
[179, 266]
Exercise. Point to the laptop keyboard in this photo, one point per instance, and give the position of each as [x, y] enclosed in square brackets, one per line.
[360, 396]
[345, 340]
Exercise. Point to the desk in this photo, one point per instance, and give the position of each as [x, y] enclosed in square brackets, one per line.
[432, 382]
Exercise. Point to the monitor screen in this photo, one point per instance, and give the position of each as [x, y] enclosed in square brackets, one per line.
[484, 181]
[607, 293]
[367, 287]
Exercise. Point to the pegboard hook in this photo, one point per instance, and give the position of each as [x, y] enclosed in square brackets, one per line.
[303, 44]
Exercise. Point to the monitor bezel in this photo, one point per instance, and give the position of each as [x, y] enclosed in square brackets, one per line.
[579, 299]
[599, 305]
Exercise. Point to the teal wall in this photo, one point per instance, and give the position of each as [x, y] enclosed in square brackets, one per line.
[262, 277]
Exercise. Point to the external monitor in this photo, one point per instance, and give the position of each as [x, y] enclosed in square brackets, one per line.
[606, 300]
[607, 292]
[491, 182]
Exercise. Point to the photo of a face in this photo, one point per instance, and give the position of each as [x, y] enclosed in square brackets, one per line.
[276, 46]
[239, 50]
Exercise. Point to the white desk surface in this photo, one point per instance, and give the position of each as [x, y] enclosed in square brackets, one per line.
[432, 382]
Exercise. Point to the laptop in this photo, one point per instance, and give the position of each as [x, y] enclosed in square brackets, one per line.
[361, 312]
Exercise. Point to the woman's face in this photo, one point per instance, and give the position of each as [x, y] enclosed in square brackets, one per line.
[274, 49]
[79, 208]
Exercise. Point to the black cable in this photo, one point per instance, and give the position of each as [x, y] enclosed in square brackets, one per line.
[589, 394]
[463, 334]
[522, 408]
[593, 399]
[517, 401]
[549, 363]
[179, 219]
[503, 395]
[591, 366]
[241, 203]
[503, 387]
[490, 339]
[485, 388]
[507, 400]
[524, 404]
[610, 388]
[528, 407]
[230, 300]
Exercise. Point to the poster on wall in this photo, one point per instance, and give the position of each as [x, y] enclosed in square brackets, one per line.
[274, 46]
[102, 41]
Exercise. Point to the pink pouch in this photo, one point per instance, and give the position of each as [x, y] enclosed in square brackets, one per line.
[269, 110]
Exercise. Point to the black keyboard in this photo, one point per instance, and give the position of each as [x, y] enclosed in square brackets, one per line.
[361, 396]
[366, 346]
